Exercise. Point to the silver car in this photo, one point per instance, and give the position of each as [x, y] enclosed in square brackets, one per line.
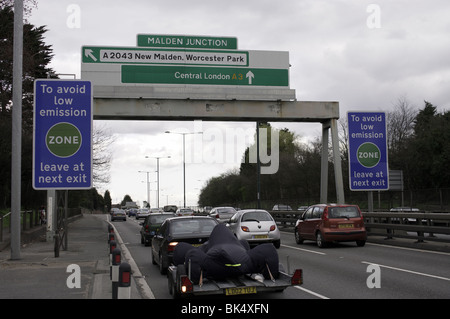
[222, 214]
[142, 213]
[255, 226]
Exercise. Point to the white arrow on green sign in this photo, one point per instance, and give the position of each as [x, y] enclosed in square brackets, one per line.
[204, 75]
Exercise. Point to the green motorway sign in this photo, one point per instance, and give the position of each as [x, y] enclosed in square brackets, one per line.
[204, 75]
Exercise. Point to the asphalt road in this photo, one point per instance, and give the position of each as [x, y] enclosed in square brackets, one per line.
[340, 271]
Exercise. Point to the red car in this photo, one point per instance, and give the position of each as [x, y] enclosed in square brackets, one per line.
[327, 223]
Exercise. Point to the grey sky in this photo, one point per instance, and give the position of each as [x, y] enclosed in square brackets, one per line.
[340, 50]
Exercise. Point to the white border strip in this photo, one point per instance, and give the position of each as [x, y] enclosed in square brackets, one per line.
[144, 288]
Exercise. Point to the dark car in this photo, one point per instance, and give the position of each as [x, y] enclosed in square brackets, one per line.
[194, 230]
[151, 225]
[327, 223]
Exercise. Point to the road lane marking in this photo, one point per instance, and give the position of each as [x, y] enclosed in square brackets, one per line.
[302, 249]
[311, 292]
[413, 249]
[408, 271]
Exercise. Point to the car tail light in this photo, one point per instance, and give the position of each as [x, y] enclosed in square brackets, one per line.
[245, 228]
[186, 284]
[325, 214]
[297, 277]
[171, 246]
[217, 216]
[273, 227]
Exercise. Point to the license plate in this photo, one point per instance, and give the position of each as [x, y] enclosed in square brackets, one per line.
[240, 291]
[346, 226]
[196, 245]
[260, 236]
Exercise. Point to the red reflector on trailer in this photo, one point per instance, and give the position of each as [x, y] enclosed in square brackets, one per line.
[297, 278]
[186, 284]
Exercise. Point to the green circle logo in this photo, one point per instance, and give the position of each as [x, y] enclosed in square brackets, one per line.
[63, 139]
[368, 155]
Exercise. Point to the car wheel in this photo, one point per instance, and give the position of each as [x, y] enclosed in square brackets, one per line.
[319, 239]
[153, 258]
[298, 238]
[360, 243]
[277, 243]
[142, 240]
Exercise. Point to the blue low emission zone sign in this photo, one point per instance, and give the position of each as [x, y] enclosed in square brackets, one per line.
[368, 152]
[62, 134]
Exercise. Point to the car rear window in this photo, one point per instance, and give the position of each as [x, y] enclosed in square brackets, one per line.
[202, 226]
[260, 216]
[343, 212]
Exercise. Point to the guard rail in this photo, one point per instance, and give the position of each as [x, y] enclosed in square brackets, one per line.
[417, 225]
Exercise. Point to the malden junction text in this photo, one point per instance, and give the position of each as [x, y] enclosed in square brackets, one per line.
[187, 42]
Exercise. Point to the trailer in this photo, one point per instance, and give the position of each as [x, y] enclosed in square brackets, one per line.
[180, 284]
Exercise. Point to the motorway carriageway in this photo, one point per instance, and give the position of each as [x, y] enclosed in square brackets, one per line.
[341, 271]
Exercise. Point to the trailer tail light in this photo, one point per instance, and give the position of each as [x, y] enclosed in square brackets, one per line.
[186, 284]
[297, 277]
[171, 246]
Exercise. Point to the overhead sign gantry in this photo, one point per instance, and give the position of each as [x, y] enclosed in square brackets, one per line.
[184, 77]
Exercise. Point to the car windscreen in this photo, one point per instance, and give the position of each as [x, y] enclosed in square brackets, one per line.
[200, 226]
[256, 216]
[343, 212]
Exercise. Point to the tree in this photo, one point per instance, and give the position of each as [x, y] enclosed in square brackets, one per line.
[101, 161]
[36, 58]
[429, 153]
[126, 198]
[108, 200]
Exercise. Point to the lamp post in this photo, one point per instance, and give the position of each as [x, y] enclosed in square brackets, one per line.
[157, 175]
[184, 161]
[148, 186]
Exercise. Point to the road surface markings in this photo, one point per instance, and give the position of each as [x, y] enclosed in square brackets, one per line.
[408, 271]
[311, 292]
[413, 249]
[302, 249]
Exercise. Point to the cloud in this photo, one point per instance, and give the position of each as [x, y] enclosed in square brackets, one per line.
[335, 56]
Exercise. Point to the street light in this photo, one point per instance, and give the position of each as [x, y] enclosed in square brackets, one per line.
[184, 160]
[148, 185]
[157, 175]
